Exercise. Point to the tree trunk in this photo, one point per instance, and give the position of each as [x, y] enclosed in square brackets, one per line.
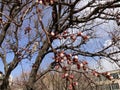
[5, 85]
[35, 67]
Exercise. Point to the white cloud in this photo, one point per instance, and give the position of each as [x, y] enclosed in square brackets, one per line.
[108, 65]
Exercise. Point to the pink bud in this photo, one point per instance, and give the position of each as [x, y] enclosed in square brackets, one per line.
[76, 57]
[63, 76]
[85, 37]
[65, 32]
[68, 55]
[73, 37]
[75, 60]
[95, 73]
[51, 1]
[57, 67]
[64, 57]
[85, 62]
[69, 62]
[107, 73]
[65, 37]
[81, 65]
[79, 34]
[82, 34]
[66, 74]
[70, 87]
[40, 1]
[62, 60]
[110, 78]
[64, 68]
[75, 83]
[78, 66]
[71, 76]
[84, 68]
[61, 54]
[60, 37]
[52, 33]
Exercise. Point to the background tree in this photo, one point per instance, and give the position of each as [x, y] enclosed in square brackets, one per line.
[54, 81]
[29, 30]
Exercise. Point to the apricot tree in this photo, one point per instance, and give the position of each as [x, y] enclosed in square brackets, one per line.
[29, 30]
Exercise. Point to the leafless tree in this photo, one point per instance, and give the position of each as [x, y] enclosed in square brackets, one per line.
[30, 28]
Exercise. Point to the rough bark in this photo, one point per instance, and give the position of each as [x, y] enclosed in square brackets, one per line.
[35, 67]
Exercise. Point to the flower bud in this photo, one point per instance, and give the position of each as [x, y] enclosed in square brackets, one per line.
[75, 83]
[52, 34]
[70, 87]
[78, 66]
[71, 76]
